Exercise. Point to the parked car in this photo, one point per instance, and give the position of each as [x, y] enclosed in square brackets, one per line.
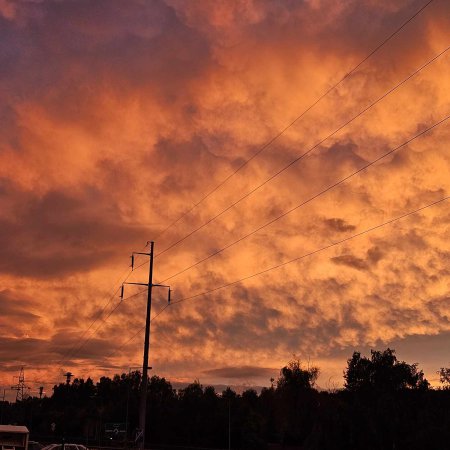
[33, 445]
[66, 447]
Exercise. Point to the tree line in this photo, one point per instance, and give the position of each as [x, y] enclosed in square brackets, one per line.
[385, 404]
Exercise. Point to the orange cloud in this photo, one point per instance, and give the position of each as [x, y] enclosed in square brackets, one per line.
[116, 121]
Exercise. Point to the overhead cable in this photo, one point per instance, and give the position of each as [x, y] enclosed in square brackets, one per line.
[306, 255]
[287, 127]
[278, 266]
[310, 199]
[301, 156]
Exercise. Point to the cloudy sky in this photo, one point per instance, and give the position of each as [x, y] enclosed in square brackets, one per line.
[117, 118]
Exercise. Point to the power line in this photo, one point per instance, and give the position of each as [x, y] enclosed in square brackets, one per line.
[83, 343]
[278, 266]
[139, 331]
[287, 127]
[75, 348]
[276, 174]
[109, 315]
[332, 186]
[68, 354]
[257, 153]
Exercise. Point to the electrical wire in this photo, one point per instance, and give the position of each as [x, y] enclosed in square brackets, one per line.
[74, 349]
[310, 199]
[137, 333]
[109, 315]
[287, 127]
[301, 156]
[68, 354]
[246, 162]
[84, 342]
[278, 266]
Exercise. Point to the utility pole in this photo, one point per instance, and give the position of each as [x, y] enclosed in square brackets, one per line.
[128, 402]
[143, 402]
[68, 376]
[3, 404]
[144, 384]
[229, 423]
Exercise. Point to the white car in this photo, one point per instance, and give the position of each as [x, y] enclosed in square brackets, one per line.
[66, 447]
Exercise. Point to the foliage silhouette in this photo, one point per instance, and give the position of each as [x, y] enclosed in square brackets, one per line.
[386, 404]
[382, 372]
[444, 377]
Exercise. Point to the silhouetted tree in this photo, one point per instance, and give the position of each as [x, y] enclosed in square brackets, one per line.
[385, 405]
[296, 402]
[382, 372]
[252, 423]
[267, 404]
[161, 401]
[380, 403]
[295, 376]
[444, 377]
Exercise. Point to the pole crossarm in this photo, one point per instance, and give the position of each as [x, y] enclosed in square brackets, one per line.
[145, 284]
[139, 253]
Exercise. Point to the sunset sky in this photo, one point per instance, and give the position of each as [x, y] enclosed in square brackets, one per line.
[118, 117]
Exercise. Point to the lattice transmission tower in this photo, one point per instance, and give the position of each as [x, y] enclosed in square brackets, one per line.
[20, 387]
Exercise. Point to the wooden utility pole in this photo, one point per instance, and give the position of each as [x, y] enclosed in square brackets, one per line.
[143, 401]
[3, 404]
[144, 384]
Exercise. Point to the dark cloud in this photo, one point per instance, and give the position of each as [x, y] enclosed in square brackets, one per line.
[373, 255]
[62, 233]
[16, 308]
[20, 351]
[243, 372]
[76, 351]
[339, 225]
[148, 47]
[19, 315]
[350, 261]
[440, 308]
[63, 348]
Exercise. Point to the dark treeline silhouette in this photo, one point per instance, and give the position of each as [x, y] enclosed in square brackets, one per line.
[385, 404]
